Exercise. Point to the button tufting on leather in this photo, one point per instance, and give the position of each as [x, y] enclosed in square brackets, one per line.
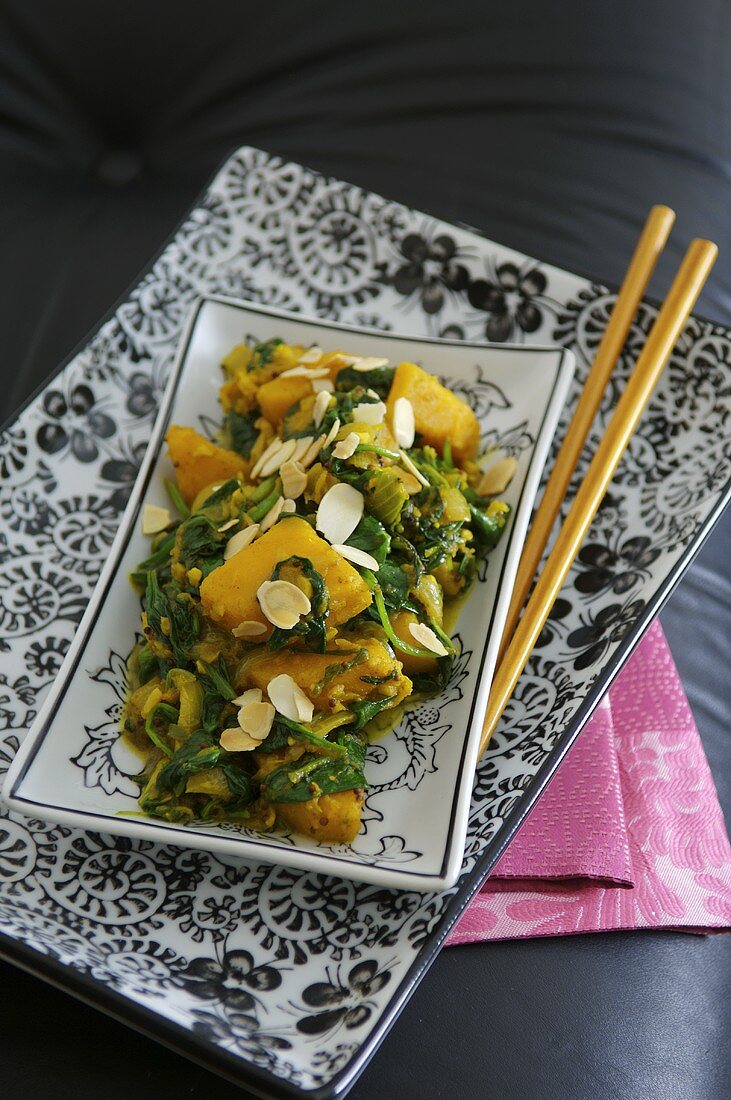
[119, 167]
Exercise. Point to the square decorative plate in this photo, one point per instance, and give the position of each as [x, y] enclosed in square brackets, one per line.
[287, 980]
[72, 769]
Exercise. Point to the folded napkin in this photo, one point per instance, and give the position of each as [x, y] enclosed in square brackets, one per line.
[628, 834]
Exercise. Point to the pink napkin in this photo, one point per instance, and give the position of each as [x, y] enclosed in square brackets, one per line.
[629, 833]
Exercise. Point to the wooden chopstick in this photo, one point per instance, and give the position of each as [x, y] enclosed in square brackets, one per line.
[681, 298]
[651, 242]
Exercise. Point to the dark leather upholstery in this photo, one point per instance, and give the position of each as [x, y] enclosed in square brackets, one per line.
[550, 125]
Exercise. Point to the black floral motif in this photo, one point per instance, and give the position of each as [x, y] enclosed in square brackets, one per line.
[346, 1003]
[142, 399]
[45, 657]
[121, 470]
[513, 298]
[554, 624]
[73, 421]
[232, 982]
[16, 699]
[609, 625]
[429, 270]
[13, 451]
[620, 569]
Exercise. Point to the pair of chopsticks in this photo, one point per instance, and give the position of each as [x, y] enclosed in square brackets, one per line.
[521, 632]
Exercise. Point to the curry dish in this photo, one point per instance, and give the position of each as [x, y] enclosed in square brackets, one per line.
[296, 589]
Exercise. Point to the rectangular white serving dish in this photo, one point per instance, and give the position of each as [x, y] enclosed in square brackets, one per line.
[71, 768]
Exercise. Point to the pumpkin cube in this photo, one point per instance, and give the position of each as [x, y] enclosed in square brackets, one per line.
[439, 414]
[331, 818]
[228, 594]
[277, 396]
[198, 462]
[333, 680]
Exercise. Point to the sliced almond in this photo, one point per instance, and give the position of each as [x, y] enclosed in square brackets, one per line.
[426, 637]
[322, 385]
[373, 413]
[282, 603]
[266, 454]
[312, 355]
[289, 699]
[339, 512]
[253, 695]
[367, 363]
[235, 740]
[289, 507]
[497, 478]
[404, 426]
[294, 479]
[356, 556]
[249, 628]
[256, 719]
[303, 445]
[347, 447]
[154, 519]
[331, 434]
[273, 463]
[227, 526]
[409, 465]
[320, 407]
[305, 372]
[272, 515]
[240, 540]
[310, 455]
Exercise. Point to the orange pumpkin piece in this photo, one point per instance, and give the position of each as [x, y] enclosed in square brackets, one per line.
[198, 462]
[332, 818]
[228, 594]
[439, 414]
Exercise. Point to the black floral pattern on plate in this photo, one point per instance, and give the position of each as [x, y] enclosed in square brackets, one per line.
[73, 422]
[512, 298]
[429, 269]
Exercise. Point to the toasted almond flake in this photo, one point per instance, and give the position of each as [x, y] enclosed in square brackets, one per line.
[266, 454]
[312, 355]
[289, 698]
[425, 636]
[305, 372]
[253, 695]
[331, 434]
[272, 515]
[372, 413]
[497, 478]
[409, 465]
[310, 455]
[356, 556]
[273, 463]
[320, 407]
[367, 363]
[282, 603]
[339, 512]
[289, 507]
[404, 427]
[256, 719]
[249, 628]
[294, 479]
[240, 540]
[322, 385]
[154, 519]
[346, 447]
[372, 393]
[303, 445]
[227, 526]
[235, 740]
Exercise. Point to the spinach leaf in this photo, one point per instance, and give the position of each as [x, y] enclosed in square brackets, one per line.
[394, 584]
[313, 775]
[366, 709]
[264, 353]
[218, 676]
[146, 663]
[242, 786]
[311, 629]
[380, 380]
[370, 535]
[199, 753]
[200, 544]
[489, 525]
[242, 431]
